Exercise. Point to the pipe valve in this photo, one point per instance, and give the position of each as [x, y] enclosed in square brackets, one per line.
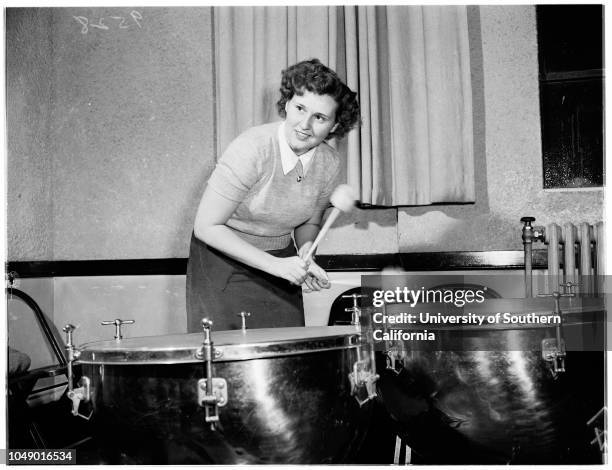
[530, 233]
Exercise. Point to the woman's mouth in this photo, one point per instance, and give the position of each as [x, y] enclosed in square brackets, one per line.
[301, 135]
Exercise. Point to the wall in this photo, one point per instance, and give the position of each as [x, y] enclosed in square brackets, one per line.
[110, 130]
[29, 162]
[155, 303]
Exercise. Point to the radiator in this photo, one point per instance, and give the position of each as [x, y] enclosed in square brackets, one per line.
[575, 256]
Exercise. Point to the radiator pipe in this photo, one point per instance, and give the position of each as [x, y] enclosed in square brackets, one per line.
[530, 234]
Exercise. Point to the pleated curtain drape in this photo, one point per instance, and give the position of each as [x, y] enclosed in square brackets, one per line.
[410, 66]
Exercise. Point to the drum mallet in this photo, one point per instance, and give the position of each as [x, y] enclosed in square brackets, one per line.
[343, 199]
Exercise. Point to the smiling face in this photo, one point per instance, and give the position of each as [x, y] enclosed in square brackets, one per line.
[310, 119]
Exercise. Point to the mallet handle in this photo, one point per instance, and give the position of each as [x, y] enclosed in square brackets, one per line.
[328, 223]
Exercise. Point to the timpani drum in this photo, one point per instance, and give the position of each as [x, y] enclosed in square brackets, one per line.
[284, 395]
[492, 394]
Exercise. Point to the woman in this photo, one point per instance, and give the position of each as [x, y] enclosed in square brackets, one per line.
[272, 181]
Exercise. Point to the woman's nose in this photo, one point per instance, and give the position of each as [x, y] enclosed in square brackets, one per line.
[306, 122]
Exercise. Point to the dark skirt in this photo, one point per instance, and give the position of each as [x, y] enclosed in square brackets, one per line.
[219, 288]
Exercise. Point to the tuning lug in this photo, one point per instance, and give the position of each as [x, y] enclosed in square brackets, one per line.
[118, 323]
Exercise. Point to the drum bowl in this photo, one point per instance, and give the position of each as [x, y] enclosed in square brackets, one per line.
[289, 397]
[487, 396]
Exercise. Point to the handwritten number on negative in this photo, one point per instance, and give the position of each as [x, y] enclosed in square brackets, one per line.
[121, 22]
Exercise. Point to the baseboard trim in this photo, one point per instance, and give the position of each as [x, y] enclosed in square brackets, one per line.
[435, 261]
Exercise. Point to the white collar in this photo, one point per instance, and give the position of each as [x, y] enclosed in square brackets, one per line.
[288, 157]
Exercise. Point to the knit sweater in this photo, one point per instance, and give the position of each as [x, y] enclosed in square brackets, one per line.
[270, 203]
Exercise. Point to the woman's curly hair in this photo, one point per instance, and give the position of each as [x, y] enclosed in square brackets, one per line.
[315, 77]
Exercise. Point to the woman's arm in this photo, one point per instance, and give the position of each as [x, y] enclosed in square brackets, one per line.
[213, 212]
[306, 233]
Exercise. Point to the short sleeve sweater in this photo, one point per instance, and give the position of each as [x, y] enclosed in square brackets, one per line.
[270, 203]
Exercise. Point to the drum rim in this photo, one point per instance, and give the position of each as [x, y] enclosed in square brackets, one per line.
[222, 353]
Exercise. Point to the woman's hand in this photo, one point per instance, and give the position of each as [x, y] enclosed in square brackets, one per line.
[213, 213]
[316, 279]
[293, 269]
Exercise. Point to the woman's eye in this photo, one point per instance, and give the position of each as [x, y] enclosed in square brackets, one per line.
[321, 118]
[299, 107]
